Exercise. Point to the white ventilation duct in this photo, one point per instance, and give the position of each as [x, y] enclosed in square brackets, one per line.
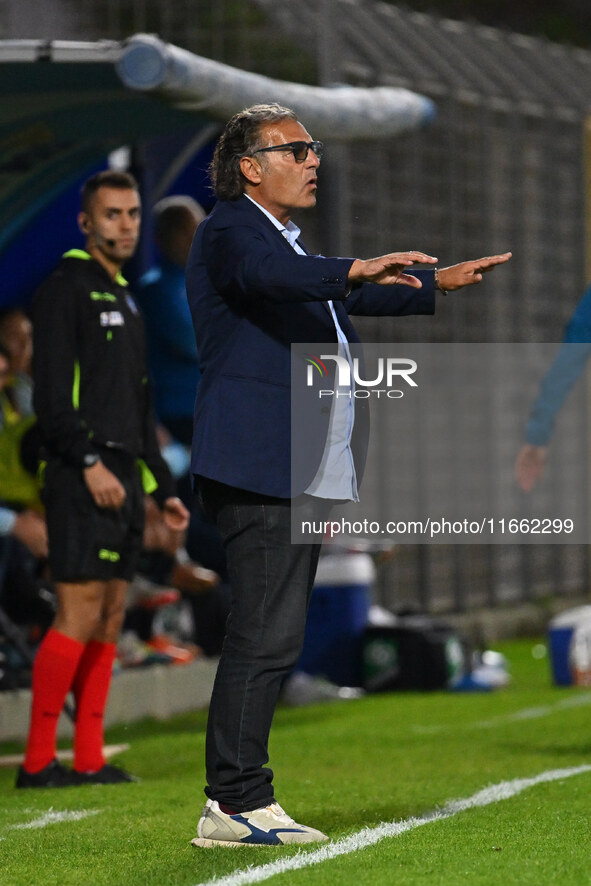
[194, 83]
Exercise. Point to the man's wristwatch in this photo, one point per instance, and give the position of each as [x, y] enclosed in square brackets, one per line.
[90, 459]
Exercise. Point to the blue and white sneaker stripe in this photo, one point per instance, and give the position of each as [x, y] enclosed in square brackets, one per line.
[267, 826]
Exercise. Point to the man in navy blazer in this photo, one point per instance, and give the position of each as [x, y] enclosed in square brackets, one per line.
[253, 291]
[242, 417]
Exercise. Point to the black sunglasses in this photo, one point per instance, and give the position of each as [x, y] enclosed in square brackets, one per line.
[298, 149]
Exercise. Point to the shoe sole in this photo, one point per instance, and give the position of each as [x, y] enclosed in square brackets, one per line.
[106, 784]
[204, 843]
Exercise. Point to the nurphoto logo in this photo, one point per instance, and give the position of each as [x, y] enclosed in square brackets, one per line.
[349, 383]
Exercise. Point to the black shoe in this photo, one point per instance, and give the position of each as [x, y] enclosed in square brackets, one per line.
[108, 774]
[54, 775]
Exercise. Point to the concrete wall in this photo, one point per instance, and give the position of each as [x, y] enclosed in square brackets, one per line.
[158, 691]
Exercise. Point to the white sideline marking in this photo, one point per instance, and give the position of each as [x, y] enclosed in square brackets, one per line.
[574, 701]
[368, 836]
[51, 817]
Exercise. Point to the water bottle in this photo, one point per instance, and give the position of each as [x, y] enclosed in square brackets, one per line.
[580, 655]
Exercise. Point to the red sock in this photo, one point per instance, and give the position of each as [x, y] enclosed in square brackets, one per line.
[91, 688]
[53, 672]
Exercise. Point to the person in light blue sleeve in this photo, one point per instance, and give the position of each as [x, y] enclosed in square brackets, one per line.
[556, 385]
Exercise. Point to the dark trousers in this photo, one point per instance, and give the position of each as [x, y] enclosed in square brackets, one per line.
[271, 581]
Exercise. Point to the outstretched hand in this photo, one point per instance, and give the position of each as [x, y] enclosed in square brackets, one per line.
[468, 272]
[530, 465]
[389, 269]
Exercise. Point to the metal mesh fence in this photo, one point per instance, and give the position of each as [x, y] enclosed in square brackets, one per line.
[232, 31]
[477, 182]
[501, 168]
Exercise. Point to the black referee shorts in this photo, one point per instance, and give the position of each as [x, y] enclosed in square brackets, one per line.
[88, 543]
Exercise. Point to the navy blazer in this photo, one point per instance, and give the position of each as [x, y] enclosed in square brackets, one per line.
[251, 296]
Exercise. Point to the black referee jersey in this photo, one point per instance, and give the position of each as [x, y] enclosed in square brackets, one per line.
[89, 368]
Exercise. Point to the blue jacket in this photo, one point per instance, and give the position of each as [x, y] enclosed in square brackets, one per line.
[251, 296]
[565, 370]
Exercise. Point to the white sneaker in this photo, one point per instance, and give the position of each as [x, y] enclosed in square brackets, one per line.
[267, 826]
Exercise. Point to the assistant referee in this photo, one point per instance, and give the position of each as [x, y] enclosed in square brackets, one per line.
[93, 403]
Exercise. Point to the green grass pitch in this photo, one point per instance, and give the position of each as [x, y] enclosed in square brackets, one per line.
[342, 767]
